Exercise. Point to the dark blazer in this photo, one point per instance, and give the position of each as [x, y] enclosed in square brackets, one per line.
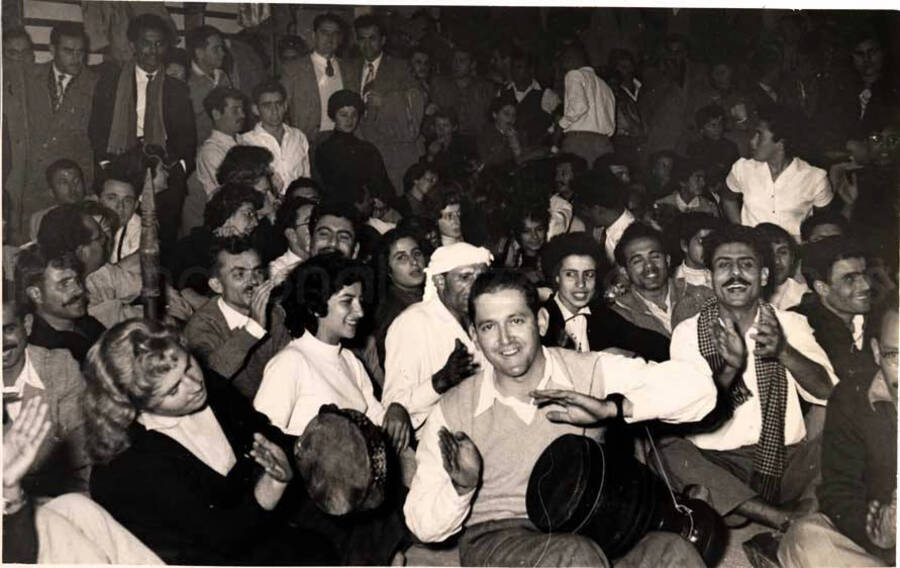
[179, 507]
[57, 134]
[304, 102]
[178, 117]
[606, 328]
[402, 102]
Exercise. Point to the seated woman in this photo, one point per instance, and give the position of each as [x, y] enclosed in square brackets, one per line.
[523, 249]
[184, 462]
[498, 142]
[445, 209]
[346, 162]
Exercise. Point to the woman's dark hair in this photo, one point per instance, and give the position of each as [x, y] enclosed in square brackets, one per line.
[226, 201]
[244, 165]
[447, 193]
[414, 173]
[389, 239]
[312, 283]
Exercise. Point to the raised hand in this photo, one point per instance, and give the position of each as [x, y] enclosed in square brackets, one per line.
[260, 300]
[23, 440]
[272, 459]
[459, 366]
[579, 409]
[729, 342]
[769, 336]
[881, 522]
[397, 425]
[462, 460]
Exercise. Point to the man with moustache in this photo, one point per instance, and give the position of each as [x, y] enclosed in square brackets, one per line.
[576, 315]
[482, 438]
[654, 301]
[51, 375]
[223, 332]
[753, 452]
[787, 290]
[53, 287]
[333, 227]
[838, 307]
[427, 349]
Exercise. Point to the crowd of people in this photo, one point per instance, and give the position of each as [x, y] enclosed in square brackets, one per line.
[480, 245]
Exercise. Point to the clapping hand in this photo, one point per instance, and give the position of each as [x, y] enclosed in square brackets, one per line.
[260, 302]
[272, 459]
[23, 440]
[462, 460]
[397, 424]
[769, 336]
[459, 366]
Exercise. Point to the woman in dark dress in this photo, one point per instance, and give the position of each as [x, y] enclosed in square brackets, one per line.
[183, 461]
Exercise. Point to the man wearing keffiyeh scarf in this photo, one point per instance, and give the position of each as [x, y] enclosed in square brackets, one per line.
[752, 451]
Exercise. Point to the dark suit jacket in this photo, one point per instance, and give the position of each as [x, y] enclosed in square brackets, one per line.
[175, 504]
[402, 102]
[606, 328]
[304, 102]
[59, 134]
[178, 117]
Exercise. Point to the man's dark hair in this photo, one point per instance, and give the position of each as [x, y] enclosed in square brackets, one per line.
[634, 232]
[63, 230]
[303, 182]
[226, 201]
[288, 43]
[368, 21]
[198, 37]
[819, 257]
[536, 211]
[10, 303]
[505, 98]
[826, 217]
[96, 209]
[269, 86]
[655, 157]
[312, 283]
[707, 113]
[579, 164]
[286, 216]
[687, 225]
[230, 245]
[31, 264]
[499, 279]
[786, 126]
[126, 168]
[414, 173]
[16, 32]
[684, 168]
[180, 56]
[608, 160]
[67, 29]
[600, 188]
[327, 17]
[217, 99]
[729, 234]
[244, 165]
[61, 165]
[618, 54]
[570, 244]
[341, 209]
[445, 194]
[139, 24]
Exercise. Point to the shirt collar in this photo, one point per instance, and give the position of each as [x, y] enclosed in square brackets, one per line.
[309, 342]
[153, 421]
[57, 73]
[489, 393]
[321, 60]
[566, 313]
[376, 63]
[879, 390]
[652, 305]
[143, 75]
[233, 318]
[621, 223]
[681, 204]
[27, 376]
[218, 134]
[534, 86]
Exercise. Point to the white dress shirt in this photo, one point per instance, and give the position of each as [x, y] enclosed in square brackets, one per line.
[633, 95]
[576, 328]
[236, 319]
[200, 433]
[217, 77]
[788, 294]
[663, 315]
[786, 201]
[433, 508]
[127, 239]
[590, 105]
[67, 78]
[327, 85]
[209, 158]
[376, 63]
[858, 331]
[28, 375]
[614, 234]
[308, 373]
[290, 159]
[744, 427]
[520, 95]
[417, 346]
[141, 78]
[694, 276]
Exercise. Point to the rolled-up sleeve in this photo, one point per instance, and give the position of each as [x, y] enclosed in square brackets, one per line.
[672, 391]
[800, 336]
[736, 180]
[576, 104]
[434, 510]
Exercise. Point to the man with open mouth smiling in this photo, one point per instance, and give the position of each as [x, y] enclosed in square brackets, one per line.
[755, 453]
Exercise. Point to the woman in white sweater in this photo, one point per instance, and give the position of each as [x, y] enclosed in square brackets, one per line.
[323, 306]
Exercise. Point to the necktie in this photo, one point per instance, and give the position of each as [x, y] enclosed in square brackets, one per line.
[329, 68]
[370, 78]
[60, 90]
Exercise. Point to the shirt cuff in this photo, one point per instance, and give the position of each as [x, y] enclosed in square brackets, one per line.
[254, 329]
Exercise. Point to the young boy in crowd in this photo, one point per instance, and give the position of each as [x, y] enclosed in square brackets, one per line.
[66, 183]
[691, 229]
[689, 184]
[712, 148]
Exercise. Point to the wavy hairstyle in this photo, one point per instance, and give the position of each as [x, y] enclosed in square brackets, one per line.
[122, 371]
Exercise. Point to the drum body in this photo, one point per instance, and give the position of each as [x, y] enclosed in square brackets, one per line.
[578, 486]
[342, 458]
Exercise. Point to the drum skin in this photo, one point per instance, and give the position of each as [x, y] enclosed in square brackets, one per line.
[342, 459]
[578, 486]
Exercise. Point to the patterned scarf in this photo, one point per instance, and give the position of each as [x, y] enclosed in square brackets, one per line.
[123, 131]
[768, 462]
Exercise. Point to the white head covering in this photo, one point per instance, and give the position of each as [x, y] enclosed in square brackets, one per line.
[448, 257]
